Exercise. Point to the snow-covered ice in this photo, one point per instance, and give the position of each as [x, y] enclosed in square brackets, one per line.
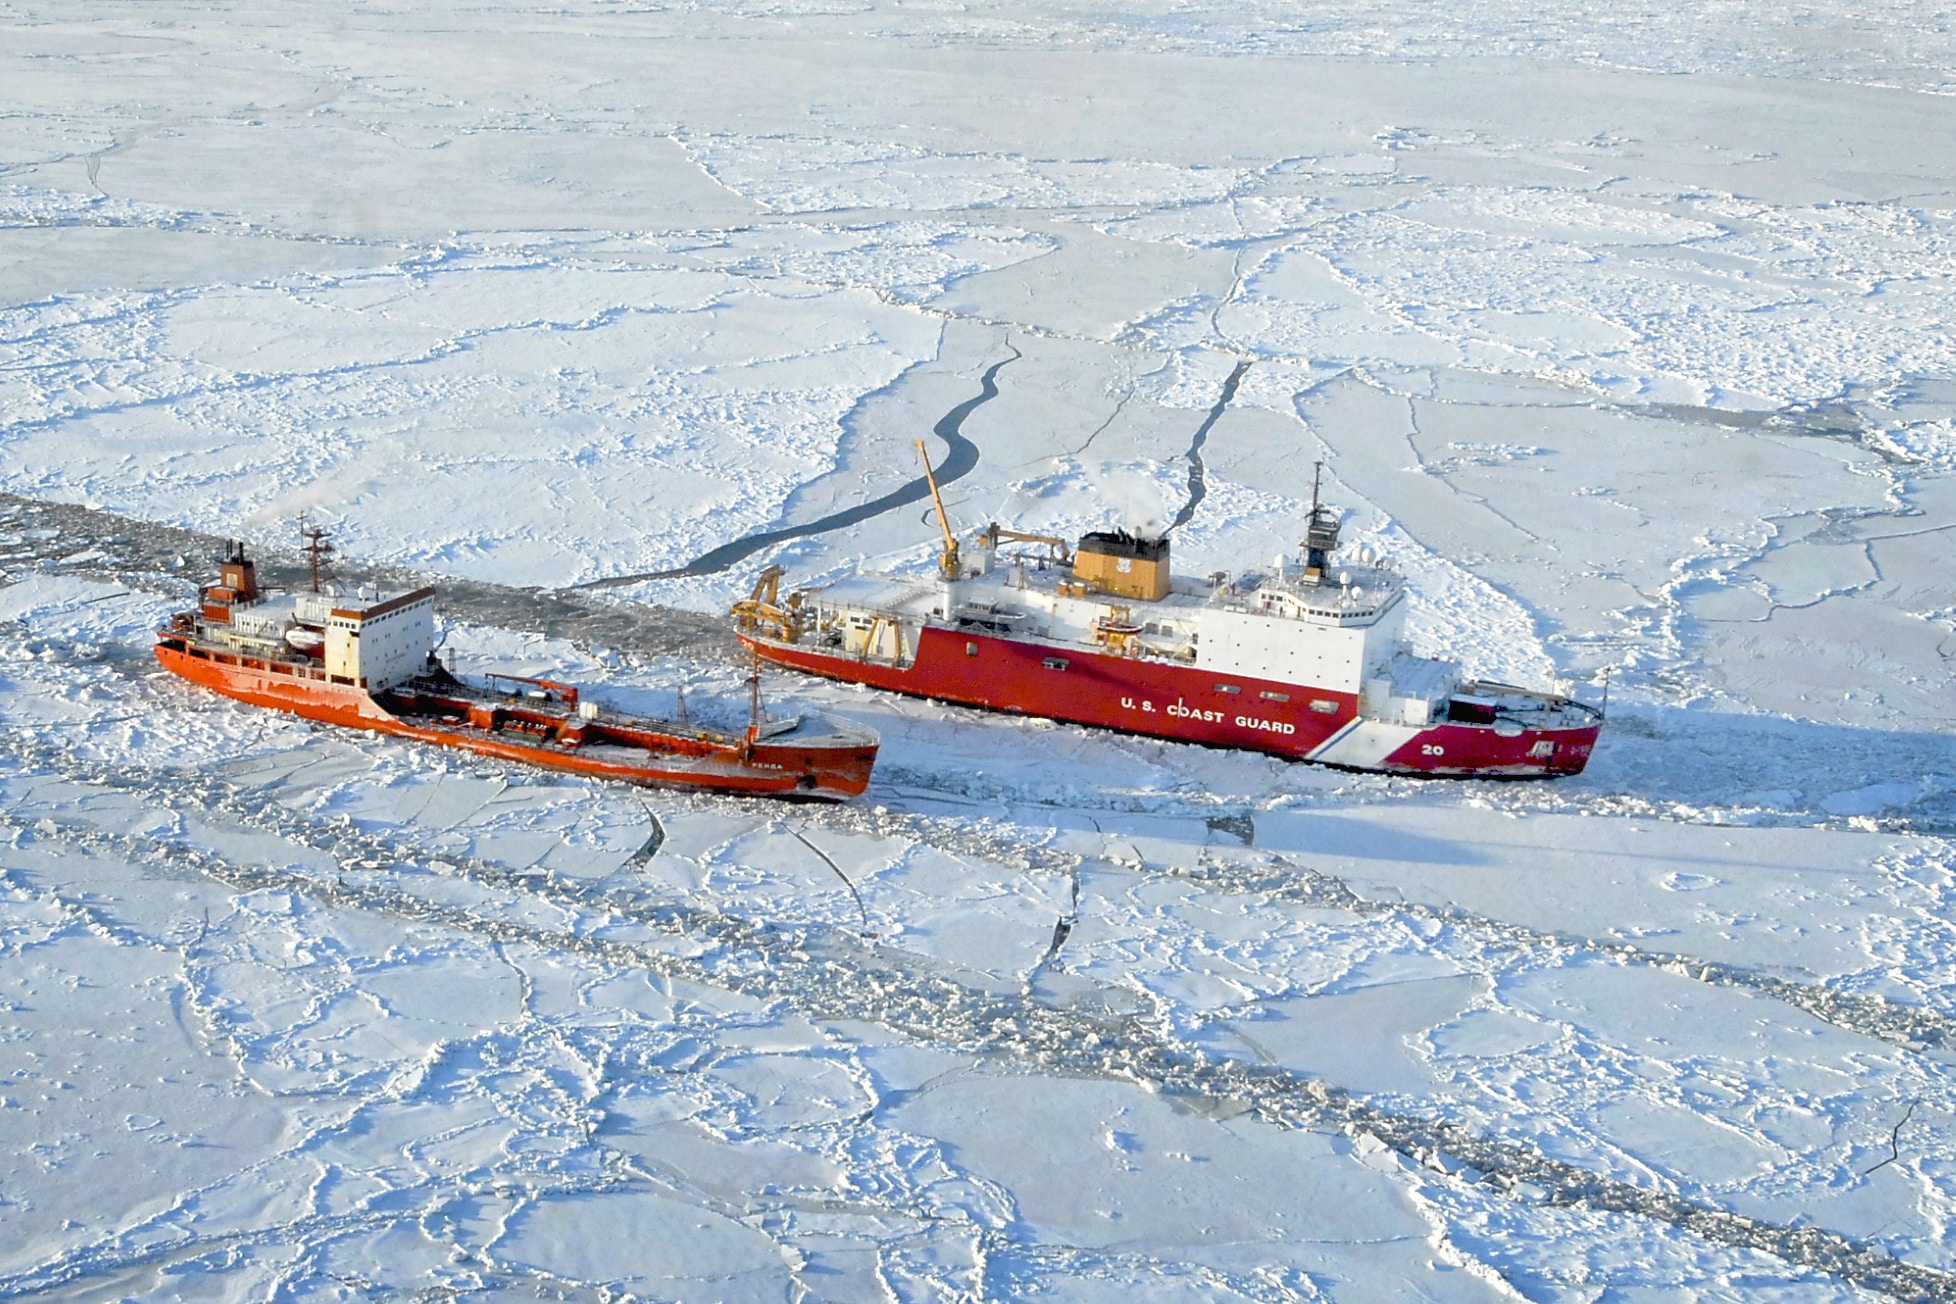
[1623, 336]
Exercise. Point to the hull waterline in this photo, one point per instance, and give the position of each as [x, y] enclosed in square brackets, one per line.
[677, 759]
[1198, 706]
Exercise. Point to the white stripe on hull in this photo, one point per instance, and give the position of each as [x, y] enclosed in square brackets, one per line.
[1364, 744]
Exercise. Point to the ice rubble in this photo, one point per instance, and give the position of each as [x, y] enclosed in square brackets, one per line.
[422, 942]
[1625, 370]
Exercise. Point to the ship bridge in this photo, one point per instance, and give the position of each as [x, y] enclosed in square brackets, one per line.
[1356, 595]
[1331, 630]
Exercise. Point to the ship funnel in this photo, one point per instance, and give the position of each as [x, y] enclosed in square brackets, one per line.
[237, 574]
[1123, 564]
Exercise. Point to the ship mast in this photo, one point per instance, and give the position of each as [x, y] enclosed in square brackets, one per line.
[318, 550]
[1320, 532]
[754, 716]
[948, 560]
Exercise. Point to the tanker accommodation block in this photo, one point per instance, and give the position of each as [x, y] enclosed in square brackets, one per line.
[380, 644]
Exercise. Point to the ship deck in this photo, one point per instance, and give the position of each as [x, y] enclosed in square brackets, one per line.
[547, 714]
[1350, 595]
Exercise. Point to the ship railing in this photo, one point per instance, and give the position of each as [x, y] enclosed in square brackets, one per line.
[1528, 707]
[1341, 615]
[1142, 648]
[251, 645]
[600, 728]
[536, 690]
[1350, 598]
[1003, 620]
[827, 609]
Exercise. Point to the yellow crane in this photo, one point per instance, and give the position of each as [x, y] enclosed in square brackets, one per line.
[762, 611]
[948, 560]
[992, 533]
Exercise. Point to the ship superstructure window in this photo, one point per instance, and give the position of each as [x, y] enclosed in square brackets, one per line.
[1269, 696]
[1054, 663]
[1228, 688]
[1324, 706]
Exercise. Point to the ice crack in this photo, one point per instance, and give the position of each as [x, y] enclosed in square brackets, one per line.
[960, 461]
[825, 977]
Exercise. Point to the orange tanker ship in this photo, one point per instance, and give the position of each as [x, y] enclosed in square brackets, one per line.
[369, 663]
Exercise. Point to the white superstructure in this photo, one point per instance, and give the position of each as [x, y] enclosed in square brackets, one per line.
[368, 641]
[383, 642]
[1342, 633]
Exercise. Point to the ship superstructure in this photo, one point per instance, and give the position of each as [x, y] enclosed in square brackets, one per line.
[366, 660]
[1305, 659]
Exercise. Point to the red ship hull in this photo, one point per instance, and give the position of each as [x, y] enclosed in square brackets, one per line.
[1187, 704]
[674, 759]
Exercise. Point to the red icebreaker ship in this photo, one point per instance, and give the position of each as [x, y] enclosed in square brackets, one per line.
[1306, 661]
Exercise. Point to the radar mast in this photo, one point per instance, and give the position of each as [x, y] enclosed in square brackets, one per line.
[1320, 532]
[318, 549]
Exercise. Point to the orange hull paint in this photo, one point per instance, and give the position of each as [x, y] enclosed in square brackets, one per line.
[674, 758]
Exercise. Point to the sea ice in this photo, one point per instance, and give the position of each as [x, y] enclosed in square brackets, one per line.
[1624, 340]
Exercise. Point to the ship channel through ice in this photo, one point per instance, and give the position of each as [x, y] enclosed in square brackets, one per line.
[1622, 340]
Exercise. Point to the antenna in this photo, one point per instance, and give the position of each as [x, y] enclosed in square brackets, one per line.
[1320, 531]
[948, 560]
[319, 552]
[754, 698]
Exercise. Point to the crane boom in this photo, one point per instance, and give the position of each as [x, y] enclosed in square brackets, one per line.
[994, 532]
[948, 561]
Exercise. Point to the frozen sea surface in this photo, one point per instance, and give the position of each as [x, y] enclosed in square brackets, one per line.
[1625, 338]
